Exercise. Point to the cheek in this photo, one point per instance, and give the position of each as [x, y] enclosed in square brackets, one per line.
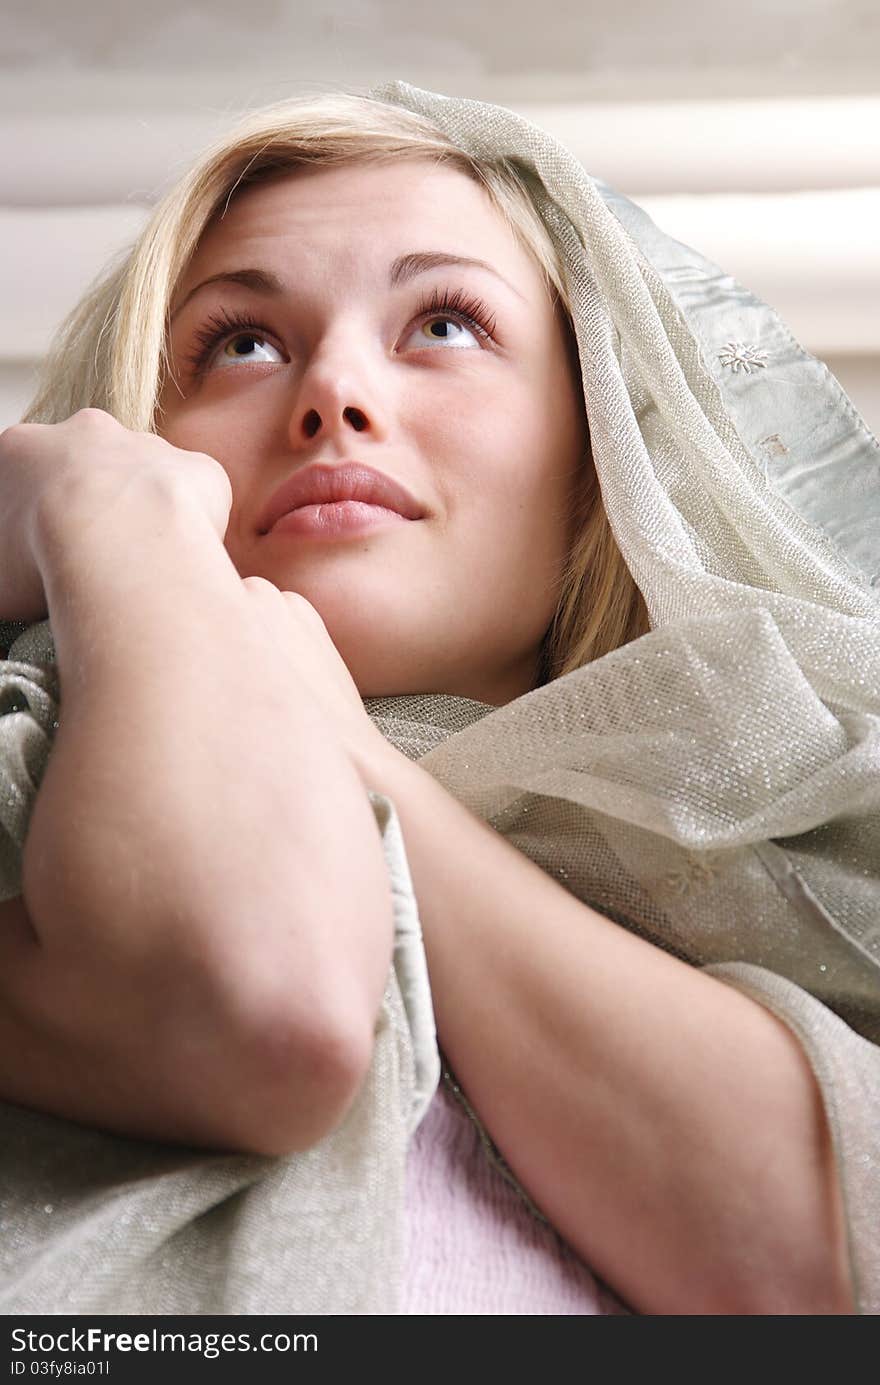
[178, 427]
[508, 471]
[207, 433]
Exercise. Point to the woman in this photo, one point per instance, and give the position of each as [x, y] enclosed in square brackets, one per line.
[204, 980]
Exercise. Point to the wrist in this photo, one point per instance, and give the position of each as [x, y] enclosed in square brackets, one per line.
[382, 767]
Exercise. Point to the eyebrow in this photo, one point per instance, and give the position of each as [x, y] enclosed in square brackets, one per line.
[404, 268]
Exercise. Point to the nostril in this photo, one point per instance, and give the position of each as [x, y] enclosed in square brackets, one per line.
[312, 420]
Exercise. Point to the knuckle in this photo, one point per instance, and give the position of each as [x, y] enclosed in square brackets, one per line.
[10, 436]
[94, 417]
[298, 602]
[15, 430]
[19, 430]
[208, 463]
[304, 611]
[258, 584]
[18, 441]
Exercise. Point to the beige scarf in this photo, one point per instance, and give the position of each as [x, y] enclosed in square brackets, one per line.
[715, 785]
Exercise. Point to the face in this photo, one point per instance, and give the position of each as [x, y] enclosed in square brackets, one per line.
[454, 380]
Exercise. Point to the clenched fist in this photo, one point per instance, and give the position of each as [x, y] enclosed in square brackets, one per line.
[65, 483]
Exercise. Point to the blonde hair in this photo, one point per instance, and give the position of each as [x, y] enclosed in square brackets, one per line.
[111, 351]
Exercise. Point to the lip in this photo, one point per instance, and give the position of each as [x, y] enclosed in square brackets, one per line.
[349, 480]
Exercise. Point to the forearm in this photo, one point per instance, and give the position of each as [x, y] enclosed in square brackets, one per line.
[186, 841]
[667, 1125]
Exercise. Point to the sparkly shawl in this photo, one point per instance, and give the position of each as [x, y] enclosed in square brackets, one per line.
[712, 786]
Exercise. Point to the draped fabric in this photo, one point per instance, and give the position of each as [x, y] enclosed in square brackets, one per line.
[712, 786]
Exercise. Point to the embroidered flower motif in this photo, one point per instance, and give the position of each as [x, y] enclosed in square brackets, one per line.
[698, 870]
[739, 356]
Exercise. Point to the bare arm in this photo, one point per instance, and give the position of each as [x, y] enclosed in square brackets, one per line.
[669, 1126]
[189, 961]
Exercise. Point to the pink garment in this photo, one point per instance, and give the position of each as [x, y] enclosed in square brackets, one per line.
[473, 1247]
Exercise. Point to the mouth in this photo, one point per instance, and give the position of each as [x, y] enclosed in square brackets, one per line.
[336, 519]
[345, 496]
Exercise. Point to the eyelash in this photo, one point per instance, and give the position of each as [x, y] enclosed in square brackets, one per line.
[457, 304]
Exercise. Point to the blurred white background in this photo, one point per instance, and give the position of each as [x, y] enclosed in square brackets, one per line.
[751, 131]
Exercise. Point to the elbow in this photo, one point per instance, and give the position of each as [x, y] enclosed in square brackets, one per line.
[299, 1081]
[269, 1072]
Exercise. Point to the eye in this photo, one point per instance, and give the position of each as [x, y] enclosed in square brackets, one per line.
[457, 310]
[219, 340]
[446, 330]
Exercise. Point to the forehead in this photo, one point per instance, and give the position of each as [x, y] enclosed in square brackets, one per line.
[348, 220]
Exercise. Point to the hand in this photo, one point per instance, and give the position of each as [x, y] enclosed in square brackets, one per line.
[313, 669]
[60, 478]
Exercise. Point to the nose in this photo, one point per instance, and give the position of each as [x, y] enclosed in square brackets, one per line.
[337, 397]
